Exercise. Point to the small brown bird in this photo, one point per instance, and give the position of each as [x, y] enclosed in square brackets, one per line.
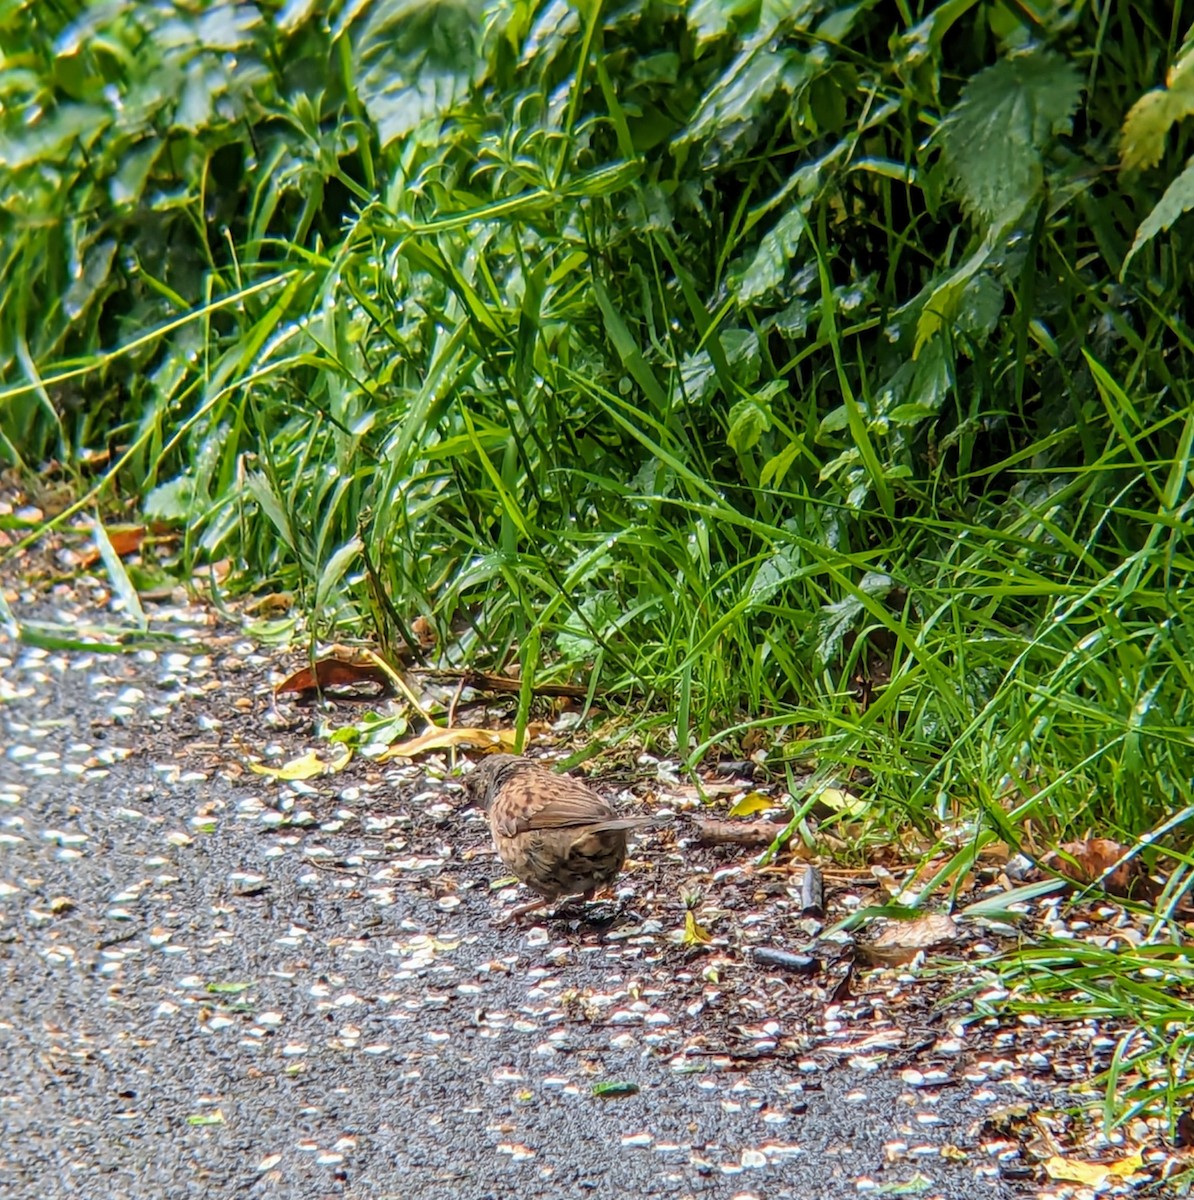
[555, 833]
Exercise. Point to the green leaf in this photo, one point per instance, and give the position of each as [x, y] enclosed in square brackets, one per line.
[170, 501]
[1176, 202]
[776, 469]
[1142, 141]
[709, 19]
[770, 264]
[731, 110]
[614, 1089]
[417, 60]
[838, 618]
[121, 583]
[334, 570]
[53, 134]
[260, 489]
[587, 627]
[995, 135]
[780, 568]
[749, 420]
[89, 279]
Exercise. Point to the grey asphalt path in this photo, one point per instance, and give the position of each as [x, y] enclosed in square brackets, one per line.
[212, 984]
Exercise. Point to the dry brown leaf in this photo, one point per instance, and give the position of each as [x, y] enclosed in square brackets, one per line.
[332, 672]
[1087, 861]
[424, 631]
[125, 539]
[901, 941]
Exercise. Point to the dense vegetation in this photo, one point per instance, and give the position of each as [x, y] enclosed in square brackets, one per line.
[814, 375]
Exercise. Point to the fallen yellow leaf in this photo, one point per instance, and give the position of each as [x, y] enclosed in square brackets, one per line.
[445, 739]
[694, 934]
[845, 804]
[308, 766]
[1092, 1174]
[752, 802]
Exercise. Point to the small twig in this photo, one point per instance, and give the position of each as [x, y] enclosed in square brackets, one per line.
[737, 833]
[482, 681]
[455, 701]
[785, 960]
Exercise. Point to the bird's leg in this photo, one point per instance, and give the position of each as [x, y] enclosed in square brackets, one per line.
[521, 910]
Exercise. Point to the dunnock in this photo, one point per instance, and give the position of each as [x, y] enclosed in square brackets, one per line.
[555, 833]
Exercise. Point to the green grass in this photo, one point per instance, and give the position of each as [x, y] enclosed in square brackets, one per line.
[818, 377]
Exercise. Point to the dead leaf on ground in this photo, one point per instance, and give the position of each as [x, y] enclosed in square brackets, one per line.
[901, 941]
[752, 803]
[694, 934]
[425, 632]
[841, 803]
[1090, 860]
[306, 766]
[273, 605]
[447, 739]
[1092, 1174]
[335, 671]
[125, 539]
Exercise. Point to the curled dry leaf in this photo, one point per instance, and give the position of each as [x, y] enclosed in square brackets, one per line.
[335, 671]
[425, 632]
[694, 934]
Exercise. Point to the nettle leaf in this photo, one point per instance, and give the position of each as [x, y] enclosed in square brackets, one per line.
[51, 135]
[751, 417]
[749, 420]
[88, 277]
[995, 134]
[416, 60]
[1178, 200]
[171, 501]
[784, 566]
[770, 263]
[1142, 141]
[731, 112]
[587, 628]
[709, 19]
[837, 619]
[698, 377]
[957, 300]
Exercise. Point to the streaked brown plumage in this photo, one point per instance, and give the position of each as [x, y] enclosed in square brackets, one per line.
[556, 834]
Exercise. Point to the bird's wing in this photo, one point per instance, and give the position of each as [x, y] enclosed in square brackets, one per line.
[543, 800]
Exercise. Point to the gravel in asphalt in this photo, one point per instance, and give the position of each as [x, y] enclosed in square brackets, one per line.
[218, 984]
